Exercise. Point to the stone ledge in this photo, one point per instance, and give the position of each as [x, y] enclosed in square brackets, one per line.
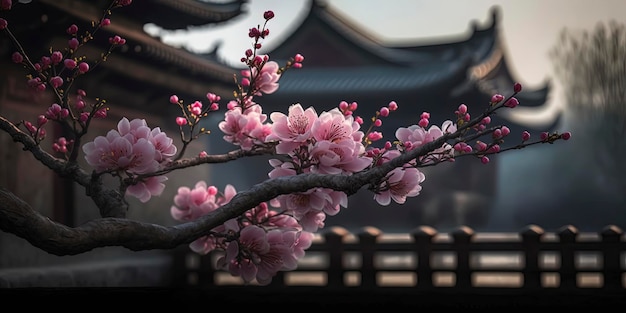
[121, 272]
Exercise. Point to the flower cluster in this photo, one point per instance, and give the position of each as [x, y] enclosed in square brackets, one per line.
[256, 245]
[132, 149]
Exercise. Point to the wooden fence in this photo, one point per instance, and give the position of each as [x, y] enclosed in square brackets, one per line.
[461, 260]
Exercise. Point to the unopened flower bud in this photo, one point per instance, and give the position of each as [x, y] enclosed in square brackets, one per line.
[384, 111]
[70, 64]
[497, 98]
[268, 15]
[83, 67]
[73, 43]
[462, 109]
[17, 57]
[72, 30]
[484, 159]
[56, 57]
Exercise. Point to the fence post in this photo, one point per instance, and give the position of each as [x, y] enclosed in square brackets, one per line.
[423, 239]
[611, 269]
[568, 273]
[179, 270]
[206, 270]
[334, 244]
[367, 245]
[531, 239]
[462, 237]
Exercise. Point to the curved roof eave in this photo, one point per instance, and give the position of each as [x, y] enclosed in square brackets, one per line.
[373, 78]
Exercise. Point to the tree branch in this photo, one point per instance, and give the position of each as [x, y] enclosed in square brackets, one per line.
[19, 218]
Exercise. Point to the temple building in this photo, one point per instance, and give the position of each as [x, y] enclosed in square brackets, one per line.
[343, 62]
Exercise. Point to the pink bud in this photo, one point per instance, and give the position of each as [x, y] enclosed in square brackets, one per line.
[17, 57]
[80, 105]
[497, 98]
[566, 135]
[517, 87]
[83, 117]
[544, 136]
[45, 61]
[378, 123]
[486, 120]
[484, 159]
[83, 67]
[56, 57]
[462, 109]
[213, 97]
[56, 81]
[425, 115]
[268, 15]
[73, 43]
[69, 64]
[181, 121]
[423, 122]
[174, 99]
[525, 135]
[458, 146]
[72, 30]
[102, 113]
[6, 4]
[481, 146]
[393, 106]
[203, 154]
[343, 105]
[3, 23]
[212, 190]
[494, 149]
[511, 103]
[41, 120]
[384, 112]
[105, 22]
[245, 82]
[298, 58]
[374, 136]
[359, 120]
[214, 106]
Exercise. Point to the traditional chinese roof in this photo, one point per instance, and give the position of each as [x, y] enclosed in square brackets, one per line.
[180, 14]
[145, 69]
[344, 62]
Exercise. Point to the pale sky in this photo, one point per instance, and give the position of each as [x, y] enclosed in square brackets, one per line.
[529, 28]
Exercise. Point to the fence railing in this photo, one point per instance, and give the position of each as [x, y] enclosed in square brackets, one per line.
[460, 260]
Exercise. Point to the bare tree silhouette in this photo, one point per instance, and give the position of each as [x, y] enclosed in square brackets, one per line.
[592, 68]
